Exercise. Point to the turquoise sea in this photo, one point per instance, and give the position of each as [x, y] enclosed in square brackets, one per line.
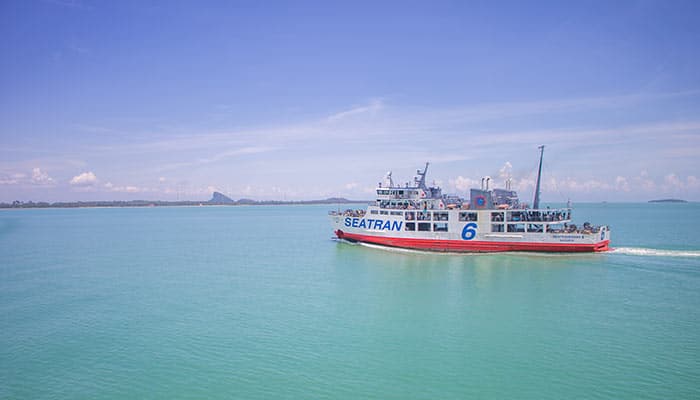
[261, 303]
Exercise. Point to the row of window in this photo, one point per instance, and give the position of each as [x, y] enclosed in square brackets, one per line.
[517, 227]
[385, 212]
[437, 216]
[443, 227]
[515, 216]
[425, 226]
[396, 192]
[428, 215]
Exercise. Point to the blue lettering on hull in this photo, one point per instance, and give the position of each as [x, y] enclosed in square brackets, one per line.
[376, 224]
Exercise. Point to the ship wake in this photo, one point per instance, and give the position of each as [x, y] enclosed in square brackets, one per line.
[641, 251]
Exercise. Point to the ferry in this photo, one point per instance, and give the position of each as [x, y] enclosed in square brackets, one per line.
[492, 220]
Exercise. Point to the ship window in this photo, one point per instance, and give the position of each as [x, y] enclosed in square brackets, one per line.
[384, 212]
[467, 216]
[424, 226]
[496, 227]
[410, 215]
[441, 227]
[516, 227]
[396, 213]
[534, 228]
[410, 226]
[374, 212]
[555, 228]
[440, 216]
[424, 216]
[515, 216]
[496, 216]
[534, 216]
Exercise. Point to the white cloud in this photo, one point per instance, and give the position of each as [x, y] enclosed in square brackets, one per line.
[672, 181]
[644, 181]
[506, 170]
[40, 177]
[5, 180]
[394, 136]
[84, 179]
[464, 184]
[621, 183]
[524, 184]
[110, 187]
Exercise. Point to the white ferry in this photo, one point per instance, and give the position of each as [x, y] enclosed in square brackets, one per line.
[421, 217]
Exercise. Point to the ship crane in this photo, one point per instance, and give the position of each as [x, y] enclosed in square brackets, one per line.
[536, 202]
[421, 182]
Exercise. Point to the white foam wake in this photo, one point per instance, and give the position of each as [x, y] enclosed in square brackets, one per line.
[640, 251]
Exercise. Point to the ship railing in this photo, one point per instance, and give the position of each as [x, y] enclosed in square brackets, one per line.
[544, 215]
[406, 205]
[348, 213]
[586, 229]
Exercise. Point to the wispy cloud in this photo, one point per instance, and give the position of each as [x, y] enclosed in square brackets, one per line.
[75, 4]
[366, 140]
[373, 106]
[376, 125]
[217, 157]
[500, 110]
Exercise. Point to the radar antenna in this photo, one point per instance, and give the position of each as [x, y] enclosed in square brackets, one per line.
[388, 181]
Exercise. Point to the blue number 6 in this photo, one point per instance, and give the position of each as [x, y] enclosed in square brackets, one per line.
[469, 231]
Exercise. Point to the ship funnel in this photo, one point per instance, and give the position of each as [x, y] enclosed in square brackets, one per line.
[485, 182]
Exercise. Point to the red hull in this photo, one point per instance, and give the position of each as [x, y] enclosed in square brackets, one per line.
[473, 246]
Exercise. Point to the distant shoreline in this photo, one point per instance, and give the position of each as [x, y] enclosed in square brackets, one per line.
[668, 201]
[159, 203]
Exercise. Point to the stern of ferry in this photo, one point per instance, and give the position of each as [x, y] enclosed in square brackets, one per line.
[603, 244]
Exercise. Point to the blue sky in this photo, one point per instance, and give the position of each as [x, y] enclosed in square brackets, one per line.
[307, 100]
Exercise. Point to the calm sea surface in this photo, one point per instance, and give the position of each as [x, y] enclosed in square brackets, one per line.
[260, 303]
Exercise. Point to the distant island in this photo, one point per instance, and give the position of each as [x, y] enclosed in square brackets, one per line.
[217, 199]
[668, 201]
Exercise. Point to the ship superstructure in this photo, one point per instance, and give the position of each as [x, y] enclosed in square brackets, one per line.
[418, 216]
